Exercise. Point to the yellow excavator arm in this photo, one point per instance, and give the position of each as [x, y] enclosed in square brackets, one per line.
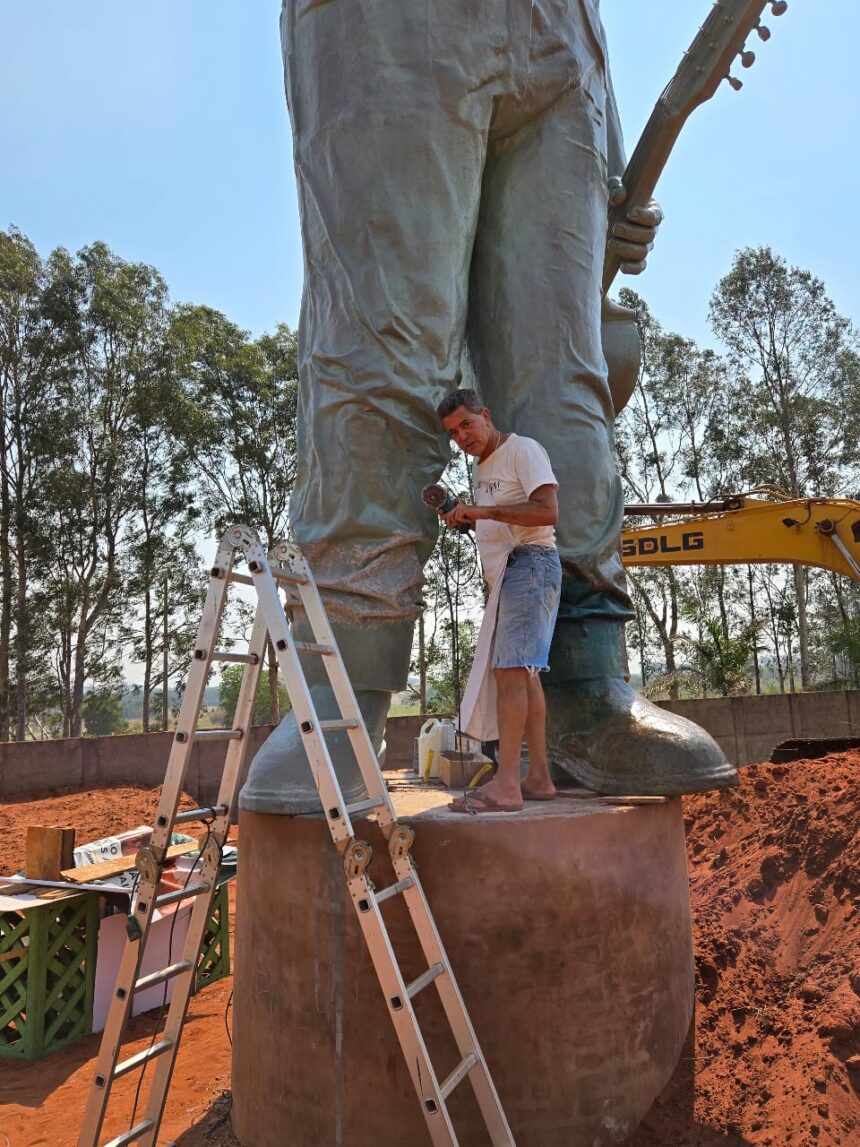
[737, 530]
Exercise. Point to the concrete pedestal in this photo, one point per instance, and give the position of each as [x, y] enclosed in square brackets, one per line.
[568, 928]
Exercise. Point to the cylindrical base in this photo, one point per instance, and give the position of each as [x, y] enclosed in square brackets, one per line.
[568, 929]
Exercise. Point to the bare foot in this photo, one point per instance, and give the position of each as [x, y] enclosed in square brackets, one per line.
[538, 788]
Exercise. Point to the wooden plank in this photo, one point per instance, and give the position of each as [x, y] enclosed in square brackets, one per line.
[90, 872]
[13, 954]
[49, 850]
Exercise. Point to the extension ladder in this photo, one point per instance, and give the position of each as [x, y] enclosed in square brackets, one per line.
[288, 571]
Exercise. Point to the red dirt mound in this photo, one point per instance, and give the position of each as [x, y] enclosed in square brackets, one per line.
[93, 813]
[775, 890]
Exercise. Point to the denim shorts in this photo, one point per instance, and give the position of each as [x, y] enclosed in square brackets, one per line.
[528, 605]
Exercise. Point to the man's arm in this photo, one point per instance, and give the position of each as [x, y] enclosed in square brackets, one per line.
[540, 510]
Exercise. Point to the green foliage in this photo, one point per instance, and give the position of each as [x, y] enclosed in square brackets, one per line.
[236, 416]
[844, 642]
[721, 661]
[449, 660]
[113, 404]
[228, 694]
[103, 715]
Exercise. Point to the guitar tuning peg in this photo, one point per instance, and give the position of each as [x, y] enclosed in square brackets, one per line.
[778, 7]
[747, 59]
[763, 31]
[734, 82]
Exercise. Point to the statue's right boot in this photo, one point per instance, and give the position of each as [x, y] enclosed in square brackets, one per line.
[603, 735]
[280, 779]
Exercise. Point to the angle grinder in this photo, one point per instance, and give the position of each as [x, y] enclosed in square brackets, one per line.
[443, 502]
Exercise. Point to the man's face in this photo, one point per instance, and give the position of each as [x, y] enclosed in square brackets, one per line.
[471, 432]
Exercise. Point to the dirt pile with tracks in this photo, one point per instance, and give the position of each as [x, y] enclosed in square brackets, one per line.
[775, 890]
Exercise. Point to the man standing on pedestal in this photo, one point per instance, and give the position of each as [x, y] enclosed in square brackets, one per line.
[453, 159]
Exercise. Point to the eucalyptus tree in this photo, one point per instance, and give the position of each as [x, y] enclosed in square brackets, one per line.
[676, 442]
[165, 576]
[454, 594]
[30, 416]
[238, 420]
[108, 319]
[796, 367]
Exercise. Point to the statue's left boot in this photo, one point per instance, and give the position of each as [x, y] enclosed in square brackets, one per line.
[280, 780]
[603, 735]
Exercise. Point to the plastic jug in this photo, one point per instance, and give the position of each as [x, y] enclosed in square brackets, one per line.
[436, 737]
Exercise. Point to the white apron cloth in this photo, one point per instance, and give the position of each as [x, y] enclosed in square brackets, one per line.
[477, 716]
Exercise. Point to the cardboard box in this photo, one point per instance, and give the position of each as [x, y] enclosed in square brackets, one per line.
[457, 769]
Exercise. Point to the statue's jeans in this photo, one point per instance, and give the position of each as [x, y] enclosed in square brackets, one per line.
[452, 179]
[450, 158]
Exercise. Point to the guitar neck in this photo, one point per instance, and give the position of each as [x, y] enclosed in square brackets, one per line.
[644, 169]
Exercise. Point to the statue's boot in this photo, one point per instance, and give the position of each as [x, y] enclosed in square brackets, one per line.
[280, 779]
[603, 735]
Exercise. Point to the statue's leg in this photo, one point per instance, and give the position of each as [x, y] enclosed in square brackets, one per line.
[388, 158]
[534, 336]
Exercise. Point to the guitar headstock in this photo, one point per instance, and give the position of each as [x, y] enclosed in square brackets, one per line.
[721, 39]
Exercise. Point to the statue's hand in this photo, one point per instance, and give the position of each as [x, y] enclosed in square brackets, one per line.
[633, 238]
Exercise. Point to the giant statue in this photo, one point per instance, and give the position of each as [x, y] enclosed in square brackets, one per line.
[454, 160]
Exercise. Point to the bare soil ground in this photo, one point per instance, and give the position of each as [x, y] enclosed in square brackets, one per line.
[773, 1060]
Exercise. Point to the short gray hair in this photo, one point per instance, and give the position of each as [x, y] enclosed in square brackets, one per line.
[457, 398]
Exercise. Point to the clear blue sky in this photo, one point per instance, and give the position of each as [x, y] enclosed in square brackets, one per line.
[161, 128]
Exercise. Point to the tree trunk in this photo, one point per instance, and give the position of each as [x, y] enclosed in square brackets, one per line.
[721, 601]
[22, 645]
[78, 678]
[5, 601]
[422, 666]
[802, 626]
[274, 702]
[148, 636]
[165, 683]
[752, 622]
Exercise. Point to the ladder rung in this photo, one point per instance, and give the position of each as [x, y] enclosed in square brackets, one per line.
[148, 1053]
[422, 982]
[241, 579]
[182, 894]
[394, 889]
[218, 734]
[290, 579]
[458, 1074]
[159, 977]
[365, 806]
[200, 813]
[313, 647]
[130, 1136]
[344, 723]
[236, 658]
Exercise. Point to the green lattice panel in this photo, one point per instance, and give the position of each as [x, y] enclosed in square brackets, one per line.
[213, 962]
[47, 974]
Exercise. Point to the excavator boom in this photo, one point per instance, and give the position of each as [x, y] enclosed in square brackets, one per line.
[823, 532]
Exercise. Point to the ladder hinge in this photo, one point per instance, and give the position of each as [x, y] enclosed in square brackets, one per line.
[400, 842]
[148, 865]
[356, 859]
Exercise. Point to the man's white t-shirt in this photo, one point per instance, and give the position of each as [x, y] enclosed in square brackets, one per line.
[510, 475]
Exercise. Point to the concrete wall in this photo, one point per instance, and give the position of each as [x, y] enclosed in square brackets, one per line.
[34, 767]
[400, 734]
[747, 729]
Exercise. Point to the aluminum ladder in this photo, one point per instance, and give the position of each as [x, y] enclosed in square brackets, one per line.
[286, 569]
